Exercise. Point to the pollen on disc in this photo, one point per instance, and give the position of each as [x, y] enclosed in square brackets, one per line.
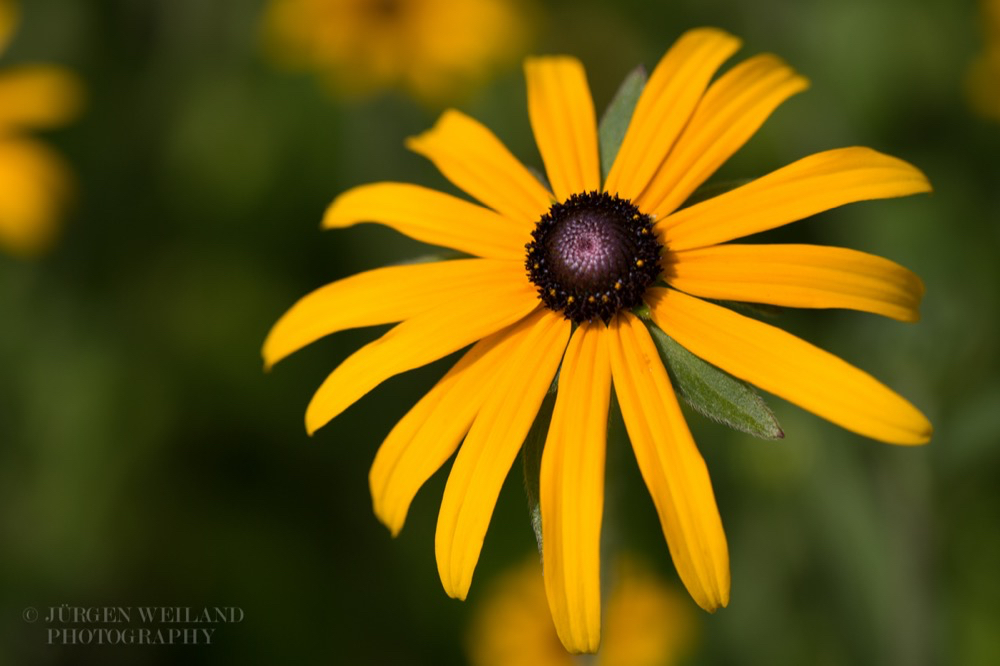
[592, 255]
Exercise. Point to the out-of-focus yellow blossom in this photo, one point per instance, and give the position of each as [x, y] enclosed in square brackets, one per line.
[983, 81]
[34, 180]
[431, 48]
[647, 622]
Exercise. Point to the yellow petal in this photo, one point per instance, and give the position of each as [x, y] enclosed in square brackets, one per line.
[8, 19]
[471, 157]
[665, 106]
[572, 490]
[428, 336]
[670, 463]
[38, 96]
[788, 367]
[798, 276]
[382, 296]
[563, 120]
[430, 432]
[492, 444]
[806, 187]
[34, 187]
[734, 107]
[432, 217]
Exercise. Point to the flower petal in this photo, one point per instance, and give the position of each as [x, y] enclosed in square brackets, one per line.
[492, 444]
[382, 296]
[572, 489]
[806, 187]
[799, 276]
[564, 123]
[430, 432]
[35, 185]
[665, 106]
[789, 367]
[732, 110]
[38, 96]
[670, 463]
[431, 217]
[417, 341]
[474, 159]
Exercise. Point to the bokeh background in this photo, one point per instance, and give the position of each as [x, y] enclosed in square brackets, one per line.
[146, 458]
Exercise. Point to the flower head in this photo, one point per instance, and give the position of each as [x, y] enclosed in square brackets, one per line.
[589, 234]
[432, 48]
[34, 182]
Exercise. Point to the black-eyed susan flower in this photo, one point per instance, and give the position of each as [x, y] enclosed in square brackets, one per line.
[555, 277]
[648, 622]
[431, 48]
[34, 181]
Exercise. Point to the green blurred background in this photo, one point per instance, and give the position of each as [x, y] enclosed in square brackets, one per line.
[146, 459]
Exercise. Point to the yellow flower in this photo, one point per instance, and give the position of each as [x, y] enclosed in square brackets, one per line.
[34, 181]
[648, 623]
[592, 259]
[429, 47]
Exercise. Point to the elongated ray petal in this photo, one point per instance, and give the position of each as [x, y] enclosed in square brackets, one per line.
[38, 96]
[430, 432]
[564, 123]
[800, 276]
[382, 296]
[572, 489]
[492, 444]
[474, 159]
[811, 185]
[418, 341]
[789, 367]
[733, 109]
[432, 217]
[665, 106]
[670, 463]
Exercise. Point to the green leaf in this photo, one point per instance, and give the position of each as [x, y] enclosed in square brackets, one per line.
[617, 117]
[531, 456]
[714, 393]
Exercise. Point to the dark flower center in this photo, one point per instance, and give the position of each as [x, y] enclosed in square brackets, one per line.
[593, 255]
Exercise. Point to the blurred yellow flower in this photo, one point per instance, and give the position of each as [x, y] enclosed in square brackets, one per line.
[648, 622]
[431, 48]
[34, 180]
[554, 284]
[983, 80]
